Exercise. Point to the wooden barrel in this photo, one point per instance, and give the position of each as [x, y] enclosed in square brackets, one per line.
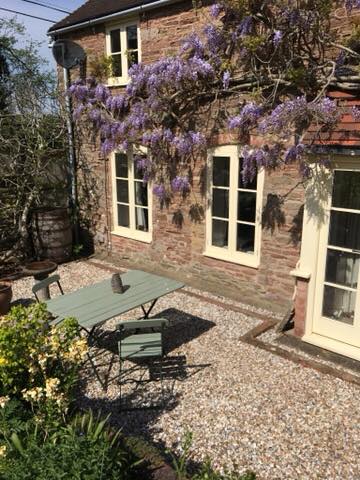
[52, 234]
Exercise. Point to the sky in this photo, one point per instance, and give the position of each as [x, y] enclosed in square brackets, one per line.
[36, 29]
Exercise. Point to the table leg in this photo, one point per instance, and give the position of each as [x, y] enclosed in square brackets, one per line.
[147, 313]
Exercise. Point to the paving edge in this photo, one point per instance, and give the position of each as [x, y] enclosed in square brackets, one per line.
[251, 336]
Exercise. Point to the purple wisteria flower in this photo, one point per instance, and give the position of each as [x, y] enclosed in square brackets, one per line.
[226, 79]
[215, 39]
[277, 37]
[180, 184]
[355, 112]
[247, 117]
[102, 93]
[294, 153]
[194, 43]
[351, 4]
[245, 27]
[215, 10]
[159, 191]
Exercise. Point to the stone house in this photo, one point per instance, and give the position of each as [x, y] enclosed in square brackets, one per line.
[272, 243]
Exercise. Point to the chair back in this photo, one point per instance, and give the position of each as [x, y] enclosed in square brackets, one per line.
[142, 324]
[46, 283]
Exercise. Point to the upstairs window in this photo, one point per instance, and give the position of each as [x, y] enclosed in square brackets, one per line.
[131, 199]
[123, 47]
[234, 209]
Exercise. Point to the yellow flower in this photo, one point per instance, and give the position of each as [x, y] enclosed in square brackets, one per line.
[2, 450]
[51, 387]
[77, 350]
[4, 401]
[3, 361]
[34, 394]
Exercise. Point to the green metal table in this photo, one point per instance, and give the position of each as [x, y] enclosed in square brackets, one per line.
[95, 304]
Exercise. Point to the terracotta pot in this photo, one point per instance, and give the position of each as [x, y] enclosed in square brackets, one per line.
[5, 297]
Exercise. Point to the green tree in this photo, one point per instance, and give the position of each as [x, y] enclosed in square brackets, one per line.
[32, 139]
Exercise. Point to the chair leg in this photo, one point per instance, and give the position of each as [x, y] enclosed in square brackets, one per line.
[161, 381]
[120, 381]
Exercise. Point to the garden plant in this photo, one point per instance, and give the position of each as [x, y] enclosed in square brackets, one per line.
[258, 68]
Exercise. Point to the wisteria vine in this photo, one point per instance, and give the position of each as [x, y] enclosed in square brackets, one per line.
[258, 68]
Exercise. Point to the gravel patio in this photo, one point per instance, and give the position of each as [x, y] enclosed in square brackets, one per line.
[247, 408]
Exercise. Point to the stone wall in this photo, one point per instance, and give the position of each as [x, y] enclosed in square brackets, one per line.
[178, 251]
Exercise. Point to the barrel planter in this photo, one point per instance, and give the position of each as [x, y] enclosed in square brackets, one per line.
[5, 297]
[52, 234]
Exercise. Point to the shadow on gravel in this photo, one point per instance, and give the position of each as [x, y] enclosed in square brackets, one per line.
[183, 328]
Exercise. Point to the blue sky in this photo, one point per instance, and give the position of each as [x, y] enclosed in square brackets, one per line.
[36, 29]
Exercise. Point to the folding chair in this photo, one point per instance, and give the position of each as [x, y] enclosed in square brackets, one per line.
[45, 284]
[141, 346]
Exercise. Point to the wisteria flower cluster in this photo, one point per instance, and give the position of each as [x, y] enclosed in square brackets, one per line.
[268, 58]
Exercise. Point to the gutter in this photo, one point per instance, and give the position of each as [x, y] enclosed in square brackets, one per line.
[130, 11]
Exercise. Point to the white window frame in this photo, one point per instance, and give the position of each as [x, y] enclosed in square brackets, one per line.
[124, 79]
[131, 231]
[230, 254]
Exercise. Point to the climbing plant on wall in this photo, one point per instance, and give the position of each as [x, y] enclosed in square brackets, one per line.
[258, 68]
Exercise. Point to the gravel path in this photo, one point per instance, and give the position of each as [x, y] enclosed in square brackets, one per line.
[246, 407]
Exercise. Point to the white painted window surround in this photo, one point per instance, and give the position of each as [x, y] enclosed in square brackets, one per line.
[233, 216]
[132, 199]
[123, 46]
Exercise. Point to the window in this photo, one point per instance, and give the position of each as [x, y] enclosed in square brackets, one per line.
[234, 211]
[131, 199]
[123, 47]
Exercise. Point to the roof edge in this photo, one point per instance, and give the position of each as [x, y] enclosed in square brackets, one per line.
[123, 13]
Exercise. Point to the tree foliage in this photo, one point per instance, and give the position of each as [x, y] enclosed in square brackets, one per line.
[32, 137]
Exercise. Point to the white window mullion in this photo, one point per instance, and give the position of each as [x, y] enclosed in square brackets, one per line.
[233, 199]
[124, 63]
[131, 191]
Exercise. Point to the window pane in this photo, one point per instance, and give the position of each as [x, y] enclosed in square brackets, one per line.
[342, 268]
[345, 230]
[123, 215]
[141, 197]
[220, 232]
[138, 173]
[122, 191]
[142, 219]
[245, 238]
[339, 304]
[247, 206]
[221, 171]
[133, 58]
[131, 35]
[220, 204]
[116, 67]
[115, 41]
[346, 190]
[250, 185]
[121, 165]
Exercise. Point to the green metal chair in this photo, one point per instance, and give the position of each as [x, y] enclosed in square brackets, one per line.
[139, 340]
[44, 284]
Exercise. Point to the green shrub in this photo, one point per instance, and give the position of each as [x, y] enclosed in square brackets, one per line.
[39, 362]
[86, 449]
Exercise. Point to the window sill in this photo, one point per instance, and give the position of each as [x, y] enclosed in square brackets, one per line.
[301, 273]
[246, 259]
[133, 234]
[117, 82]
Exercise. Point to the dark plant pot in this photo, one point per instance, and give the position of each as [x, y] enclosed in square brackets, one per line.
[5, 297]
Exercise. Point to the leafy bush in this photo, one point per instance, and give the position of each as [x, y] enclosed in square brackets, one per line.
[39, 362]
[87, 448]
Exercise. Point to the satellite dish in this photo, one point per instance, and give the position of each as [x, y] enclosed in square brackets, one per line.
[68, 54]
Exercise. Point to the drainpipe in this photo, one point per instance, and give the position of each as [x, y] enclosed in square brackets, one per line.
[72, 157]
